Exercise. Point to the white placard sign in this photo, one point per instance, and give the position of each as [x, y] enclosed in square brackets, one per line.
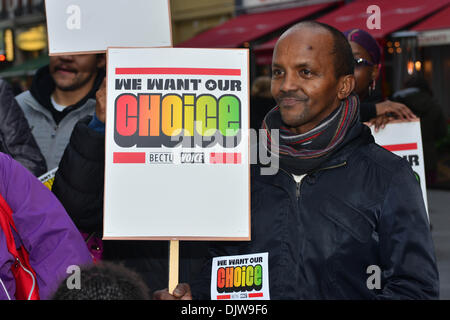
[177, 147]
[405, 140]
[88, 26]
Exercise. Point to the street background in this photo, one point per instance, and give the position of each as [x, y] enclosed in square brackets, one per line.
[438, 202]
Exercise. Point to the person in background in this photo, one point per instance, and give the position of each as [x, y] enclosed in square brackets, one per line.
[16, 138]
[42, 228]
[105, 281]
[367, 55]
[16, 85]
[419, 97]
[61, 94]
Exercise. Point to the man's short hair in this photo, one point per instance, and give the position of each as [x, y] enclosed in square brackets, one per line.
[344, 62]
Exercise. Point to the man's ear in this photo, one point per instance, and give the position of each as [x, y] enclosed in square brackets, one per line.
[101, 61]
[346, 86]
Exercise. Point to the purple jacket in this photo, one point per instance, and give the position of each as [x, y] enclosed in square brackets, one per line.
[50, 237]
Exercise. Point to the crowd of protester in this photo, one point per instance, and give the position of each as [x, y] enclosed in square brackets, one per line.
[60, 123]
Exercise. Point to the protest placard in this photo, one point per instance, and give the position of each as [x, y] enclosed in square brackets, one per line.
[177, 146]
[48, 178]
[86, 26]
[243, 277]
[405, 140]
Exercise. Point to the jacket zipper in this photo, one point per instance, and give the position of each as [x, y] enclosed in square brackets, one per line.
[299, 184]
[4, 288]
[32, 277]
[297, 193]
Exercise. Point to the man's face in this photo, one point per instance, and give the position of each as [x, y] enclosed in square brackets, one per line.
[73, 72]
[364, 74]
[304, 82]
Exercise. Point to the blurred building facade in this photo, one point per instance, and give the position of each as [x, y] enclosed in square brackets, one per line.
[194, 16]
[427, 50]
[23, 39]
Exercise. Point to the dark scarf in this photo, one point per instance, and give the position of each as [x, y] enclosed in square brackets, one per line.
[301, 153]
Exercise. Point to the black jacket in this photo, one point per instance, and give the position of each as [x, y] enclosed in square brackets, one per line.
[16, 138]
[362, 207]
[79, 184]
[368, 108]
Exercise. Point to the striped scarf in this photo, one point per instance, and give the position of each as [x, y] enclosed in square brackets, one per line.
[301, 153]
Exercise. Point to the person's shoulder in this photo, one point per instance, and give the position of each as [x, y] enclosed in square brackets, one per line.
[3, 84]
[6, 93]
[25, 98]
[377, 156]
[6, 166]
[9, 166]
[5, 159]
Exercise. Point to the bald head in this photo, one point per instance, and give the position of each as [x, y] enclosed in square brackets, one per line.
[338, 44]
[307, 80]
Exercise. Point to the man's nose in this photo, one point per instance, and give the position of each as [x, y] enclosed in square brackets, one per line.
[291, 82]
[66, 58]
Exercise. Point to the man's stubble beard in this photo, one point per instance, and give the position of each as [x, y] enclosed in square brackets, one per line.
[76, 85]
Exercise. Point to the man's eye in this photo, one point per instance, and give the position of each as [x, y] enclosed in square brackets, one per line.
[306, 72]
[276, 73]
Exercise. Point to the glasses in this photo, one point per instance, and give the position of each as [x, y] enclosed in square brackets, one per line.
[363, 62]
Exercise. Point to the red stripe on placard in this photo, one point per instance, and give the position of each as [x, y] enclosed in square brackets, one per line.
[190, 71]
[224, 297]
[255, 295]
[225, 157]
[213, 158]
[129, 157]
[401, 147]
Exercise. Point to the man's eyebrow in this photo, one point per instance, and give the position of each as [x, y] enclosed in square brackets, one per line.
[276, 65]
[302, 65]
[298, 65]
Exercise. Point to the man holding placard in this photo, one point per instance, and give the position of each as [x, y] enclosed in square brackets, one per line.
[343, 218]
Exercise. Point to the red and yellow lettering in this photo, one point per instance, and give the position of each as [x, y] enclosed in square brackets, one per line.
[126, 114]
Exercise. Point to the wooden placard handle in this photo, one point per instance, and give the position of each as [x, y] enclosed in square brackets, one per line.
[173, 264]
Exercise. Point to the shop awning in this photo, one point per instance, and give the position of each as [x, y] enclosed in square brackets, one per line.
[248, 27]
[27, 68]
[394, 16]
[440, 20]
[435, 30]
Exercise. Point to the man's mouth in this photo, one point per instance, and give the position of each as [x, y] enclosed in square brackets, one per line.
[290, 101]
[64, 69]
